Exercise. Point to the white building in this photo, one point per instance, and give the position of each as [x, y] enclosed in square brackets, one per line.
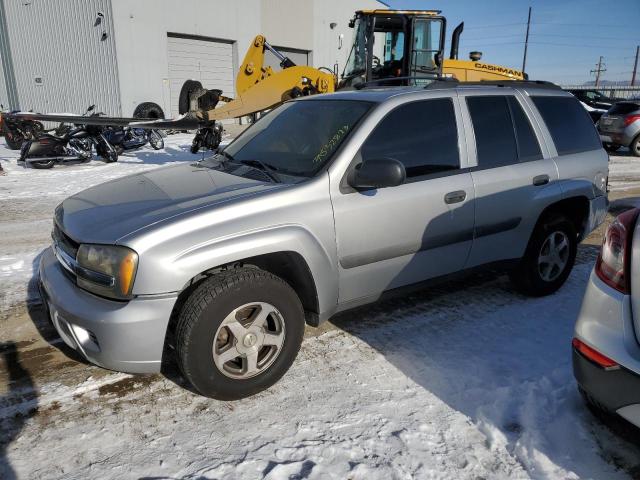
[61, 56]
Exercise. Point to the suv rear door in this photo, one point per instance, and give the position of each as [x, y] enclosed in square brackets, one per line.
[513, 182]
[390, 237]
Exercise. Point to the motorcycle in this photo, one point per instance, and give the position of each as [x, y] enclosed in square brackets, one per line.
[16, 131]
[208, 137]
[67, 144]
[127, 138]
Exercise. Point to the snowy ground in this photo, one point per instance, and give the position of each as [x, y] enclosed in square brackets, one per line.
[468, 380]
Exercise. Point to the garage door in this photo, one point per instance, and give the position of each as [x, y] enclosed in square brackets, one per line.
[198, 58]
[299, 57]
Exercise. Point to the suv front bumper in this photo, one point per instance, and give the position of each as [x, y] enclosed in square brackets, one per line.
[123, 336]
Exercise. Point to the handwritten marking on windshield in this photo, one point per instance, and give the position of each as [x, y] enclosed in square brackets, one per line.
[328, 147]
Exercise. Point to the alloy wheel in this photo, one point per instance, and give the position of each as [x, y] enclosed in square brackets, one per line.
[554, 256]
[248, 340]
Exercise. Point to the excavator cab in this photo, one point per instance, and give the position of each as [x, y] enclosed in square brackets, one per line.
[401, 47]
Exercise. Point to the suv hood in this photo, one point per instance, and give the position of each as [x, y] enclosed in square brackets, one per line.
[109, 211]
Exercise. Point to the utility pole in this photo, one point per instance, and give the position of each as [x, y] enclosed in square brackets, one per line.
[599, 69]
[526, 42]
[635, 67]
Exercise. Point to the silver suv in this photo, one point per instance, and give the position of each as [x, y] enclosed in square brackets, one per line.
[324, 204]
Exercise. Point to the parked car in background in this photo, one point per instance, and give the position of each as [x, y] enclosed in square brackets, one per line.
[620, 126]
[606, 352]
[325, 204]
[594, 99]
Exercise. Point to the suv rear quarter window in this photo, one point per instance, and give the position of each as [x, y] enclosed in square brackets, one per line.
[569, 123]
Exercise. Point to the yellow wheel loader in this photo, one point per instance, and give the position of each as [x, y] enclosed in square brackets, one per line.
[389, 48]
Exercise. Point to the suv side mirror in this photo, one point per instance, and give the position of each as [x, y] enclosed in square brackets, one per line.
[377, 173]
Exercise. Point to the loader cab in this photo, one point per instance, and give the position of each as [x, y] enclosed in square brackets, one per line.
[390, 45]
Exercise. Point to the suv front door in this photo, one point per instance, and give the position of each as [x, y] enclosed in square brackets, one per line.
[391, 237]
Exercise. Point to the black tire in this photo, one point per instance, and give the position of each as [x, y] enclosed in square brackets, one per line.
[635, 147]
[205, 310]
[148, 110]
[196, 144]
[527, 276]
[185, 92]
[155, 140]
[106, 150]
[611, 147]
[42, 164]
[13, 139]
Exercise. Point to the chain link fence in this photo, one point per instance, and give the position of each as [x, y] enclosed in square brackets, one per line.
[612, 91]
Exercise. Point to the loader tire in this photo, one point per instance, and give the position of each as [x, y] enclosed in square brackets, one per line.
[148, 110]
[185, 92]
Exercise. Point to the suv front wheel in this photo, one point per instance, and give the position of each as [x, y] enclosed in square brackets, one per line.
[549, 257]
[238, 333]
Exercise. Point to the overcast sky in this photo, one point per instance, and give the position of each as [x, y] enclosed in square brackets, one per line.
[566, 37]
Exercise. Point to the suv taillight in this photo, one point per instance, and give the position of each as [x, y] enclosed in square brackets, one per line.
[612, 266]
[629, 119]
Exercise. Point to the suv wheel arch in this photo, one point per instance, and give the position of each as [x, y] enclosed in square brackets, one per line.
[288, 265]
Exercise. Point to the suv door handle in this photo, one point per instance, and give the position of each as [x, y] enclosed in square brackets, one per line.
[540, 180]
[455, 197]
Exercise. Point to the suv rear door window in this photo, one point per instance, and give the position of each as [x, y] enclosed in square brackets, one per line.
[569, 123]
[423, 135]
[493, 128]
[528, 146]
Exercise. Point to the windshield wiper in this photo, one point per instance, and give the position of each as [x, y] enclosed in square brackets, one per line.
[270, 170]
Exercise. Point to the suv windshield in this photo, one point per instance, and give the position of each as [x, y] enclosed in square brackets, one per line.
[297, 138]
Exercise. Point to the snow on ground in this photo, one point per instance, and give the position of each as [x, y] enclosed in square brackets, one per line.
[467, 380]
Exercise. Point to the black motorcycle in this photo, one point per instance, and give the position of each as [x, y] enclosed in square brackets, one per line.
[124, 139]
[208, 138]
[17, 130]
[67, 144]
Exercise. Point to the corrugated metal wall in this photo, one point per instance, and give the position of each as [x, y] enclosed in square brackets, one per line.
[4, 98]
[62, 58]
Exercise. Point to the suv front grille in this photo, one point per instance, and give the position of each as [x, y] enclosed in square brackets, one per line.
[67, 247]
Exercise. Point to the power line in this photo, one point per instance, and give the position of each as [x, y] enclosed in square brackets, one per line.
[585, 25]
[494, 26]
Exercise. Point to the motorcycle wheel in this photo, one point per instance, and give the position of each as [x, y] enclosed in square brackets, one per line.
[106, 151]
[195, 145]
[14, 140]
[156, 141]
[42, 164]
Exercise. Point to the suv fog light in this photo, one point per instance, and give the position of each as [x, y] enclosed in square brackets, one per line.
[85, 338]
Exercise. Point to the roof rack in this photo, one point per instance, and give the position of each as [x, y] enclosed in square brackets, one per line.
[383, 82]
[511, 83]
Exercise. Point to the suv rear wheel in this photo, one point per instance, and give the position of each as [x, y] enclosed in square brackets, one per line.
[549, 257]
[238, 333]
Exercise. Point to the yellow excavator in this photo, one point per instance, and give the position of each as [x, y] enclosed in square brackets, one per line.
[389, 48]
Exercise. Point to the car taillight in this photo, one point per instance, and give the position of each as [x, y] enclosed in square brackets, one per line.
[594, 355]
[629, 119]
[612, 266]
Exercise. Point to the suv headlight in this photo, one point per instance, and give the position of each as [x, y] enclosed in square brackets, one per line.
[107, 270]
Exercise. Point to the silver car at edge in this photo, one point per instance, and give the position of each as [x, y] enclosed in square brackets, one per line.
[620, 126]
[324, 204]
[606, 352]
